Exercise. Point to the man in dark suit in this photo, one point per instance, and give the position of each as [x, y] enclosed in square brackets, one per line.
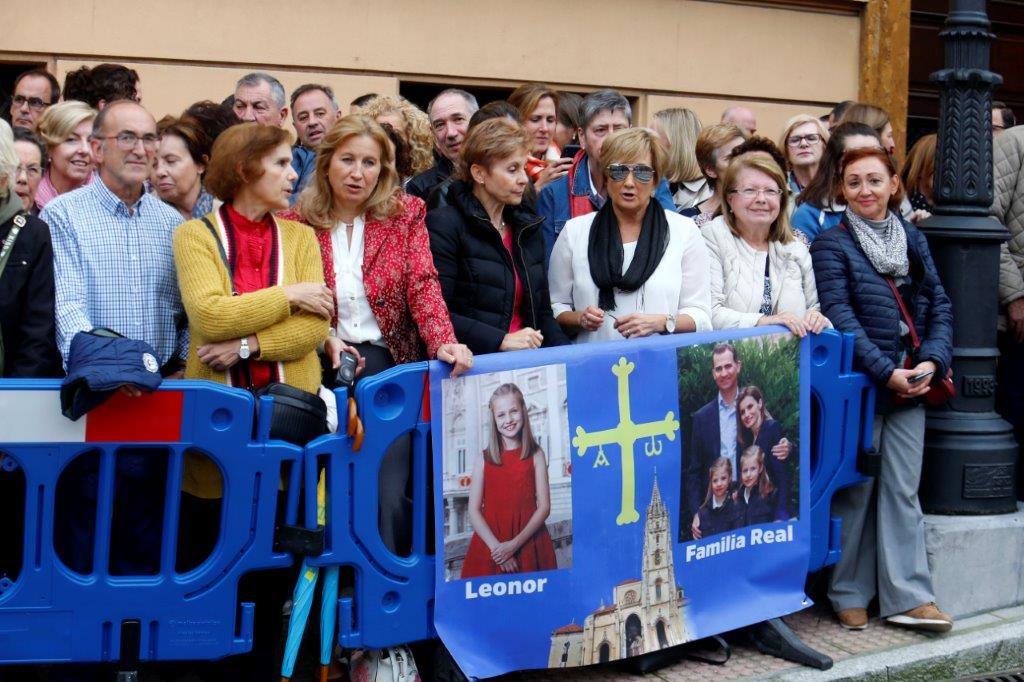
[712, 435]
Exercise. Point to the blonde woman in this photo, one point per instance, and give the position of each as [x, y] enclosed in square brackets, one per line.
[760, 273]
[803, 142]
[411, 124]
[65, 128]
[678, 129]
[714, 151]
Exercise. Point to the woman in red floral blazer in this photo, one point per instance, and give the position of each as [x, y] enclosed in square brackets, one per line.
[376, 254]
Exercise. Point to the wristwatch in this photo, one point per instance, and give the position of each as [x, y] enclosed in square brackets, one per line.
[243, 348]
[670, 324]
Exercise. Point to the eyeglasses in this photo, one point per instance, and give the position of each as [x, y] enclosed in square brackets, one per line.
[32, 170]
[34, 103]
[753, 193]
[127, 140]
[620, 171]
[813, 138]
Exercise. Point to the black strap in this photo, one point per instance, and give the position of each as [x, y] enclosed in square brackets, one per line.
[223, 253]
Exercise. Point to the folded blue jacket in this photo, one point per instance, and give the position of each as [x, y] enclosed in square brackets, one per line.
[99, 364]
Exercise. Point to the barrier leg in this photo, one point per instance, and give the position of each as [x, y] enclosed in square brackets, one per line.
[775, 638]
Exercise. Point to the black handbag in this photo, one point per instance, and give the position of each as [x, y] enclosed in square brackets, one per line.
[297, 417]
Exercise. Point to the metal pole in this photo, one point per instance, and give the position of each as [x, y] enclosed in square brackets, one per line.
[970, 454]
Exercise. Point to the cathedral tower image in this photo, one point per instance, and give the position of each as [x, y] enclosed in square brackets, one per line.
[645, 614]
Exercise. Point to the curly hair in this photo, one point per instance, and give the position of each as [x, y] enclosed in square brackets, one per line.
[417, 133]
[102, 83]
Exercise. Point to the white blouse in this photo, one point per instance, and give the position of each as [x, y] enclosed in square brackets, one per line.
[680, 284]
[356, 322]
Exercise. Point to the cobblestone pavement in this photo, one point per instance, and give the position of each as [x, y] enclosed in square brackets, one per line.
[816, 626]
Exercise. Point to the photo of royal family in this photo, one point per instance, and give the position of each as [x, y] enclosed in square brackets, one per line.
[740, 403]
[507, 487]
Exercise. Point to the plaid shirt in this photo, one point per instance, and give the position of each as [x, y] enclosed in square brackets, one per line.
[114, 268]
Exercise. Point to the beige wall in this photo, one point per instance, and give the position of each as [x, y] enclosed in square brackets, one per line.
[781, 60]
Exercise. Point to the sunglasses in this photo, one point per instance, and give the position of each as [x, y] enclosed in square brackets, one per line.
[620, 171]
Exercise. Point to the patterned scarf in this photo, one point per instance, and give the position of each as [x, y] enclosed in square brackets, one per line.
[887, 252]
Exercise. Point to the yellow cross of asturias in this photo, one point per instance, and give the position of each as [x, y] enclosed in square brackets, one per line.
[625, 435]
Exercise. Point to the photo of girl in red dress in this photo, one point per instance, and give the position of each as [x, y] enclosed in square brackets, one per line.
[509, 498]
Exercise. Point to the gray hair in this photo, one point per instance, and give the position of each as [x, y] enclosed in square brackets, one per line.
[603, 100]
[470, 99]
[253, 80]
[8, 159]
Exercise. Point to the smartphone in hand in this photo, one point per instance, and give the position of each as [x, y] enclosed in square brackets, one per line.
[918, 377]
[570, 151]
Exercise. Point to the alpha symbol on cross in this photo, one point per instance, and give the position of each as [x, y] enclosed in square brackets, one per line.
[625, 435]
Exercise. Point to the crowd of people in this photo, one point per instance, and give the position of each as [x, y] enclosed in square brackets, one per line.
[394, 234]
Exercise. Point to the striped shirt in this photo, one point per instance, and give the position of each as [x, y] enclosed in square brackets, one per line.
[114, 268]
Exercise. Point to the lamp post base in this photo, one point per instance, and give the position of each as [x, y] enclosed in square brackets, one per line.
[970, 464]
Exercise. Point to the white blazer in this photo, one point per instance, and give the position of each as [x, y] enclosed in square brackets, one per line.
[680, 284]
[737, 281]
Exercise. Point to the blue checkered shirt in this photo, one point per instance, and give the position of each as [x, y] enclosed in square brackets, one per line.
[114, 268]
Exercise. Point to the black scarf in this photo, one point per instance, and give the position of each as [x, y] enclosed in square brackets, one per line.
[605, 252]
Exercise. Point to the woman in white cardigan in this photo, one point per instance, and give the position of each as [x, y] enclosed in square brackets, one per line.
[760, 273]
[631, 269]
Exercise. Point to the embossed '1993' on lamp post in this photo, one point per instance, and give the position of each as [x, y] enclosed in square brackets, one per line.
[970, 455]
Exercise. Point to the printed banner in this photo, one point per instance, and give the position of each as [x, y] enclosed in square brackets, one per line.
[602, 501]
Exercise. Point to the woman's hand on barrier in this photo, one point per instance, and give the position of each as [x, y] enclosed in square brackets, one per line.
[456, 354]
[780, 450]
[638, 325]
[222, 355]
[1015, 319]
[591, 319]
[815, 321]
[524, 339]
[504, 551]
[787, 320]
[918, 215]
[334, 347]
[695, 527]
[312, 297]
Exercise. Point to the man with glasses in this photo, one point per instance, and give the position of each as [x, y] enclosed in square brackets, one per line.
[581, 190]
[114, 268]
[259, 98]
[34, 91]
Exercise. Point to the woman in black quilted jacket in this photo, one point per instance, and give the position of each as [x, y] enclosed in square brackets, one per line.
[865, 268]
[489, 251]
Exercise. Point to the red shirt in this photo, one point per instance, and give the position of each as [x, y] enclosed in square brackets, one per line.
[517, 320]
[252, 251]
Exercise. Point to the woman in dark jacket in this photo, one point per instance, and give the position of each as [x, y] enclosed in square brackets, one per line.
[488, 251]
[861, 266]
[26, 284]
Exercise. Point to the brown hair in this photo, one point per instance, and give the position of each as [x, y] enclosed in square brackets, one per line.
[628, 144]
[528, 444]
[237, 157]
[780, 231]
[709, 141]
[920, 164]
[191, 132]
[527, 96]
[765, 486]
[743, 435]
[316, 203]
[720, 463]
[876, 117]
[491, 141]
[855, 155]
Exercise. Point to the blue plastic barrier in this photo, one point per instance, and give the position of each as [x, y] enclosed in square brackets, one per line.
[392, 602]
[53, 614]
[842, 409]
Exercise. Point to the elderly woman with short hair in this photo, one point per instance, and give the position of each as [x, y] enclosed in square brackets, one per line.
[181, 160]
[714, 151]
[679, 129]
[632, 269]
[65, 128]
[411, 124]
[32, 163]
[489, 250]
[760, 273]
[803, 142]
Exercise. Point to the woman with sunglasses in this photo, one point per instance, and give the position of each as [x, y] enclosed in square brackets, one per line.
[760, 273]
[632, 269]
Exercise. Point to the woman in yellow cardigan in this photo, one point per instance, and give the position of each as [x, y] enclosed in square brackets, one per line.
[253, 288]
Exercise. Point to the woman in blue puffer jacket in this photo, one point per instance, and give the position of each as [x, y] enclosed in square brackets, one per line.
[861, 266]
